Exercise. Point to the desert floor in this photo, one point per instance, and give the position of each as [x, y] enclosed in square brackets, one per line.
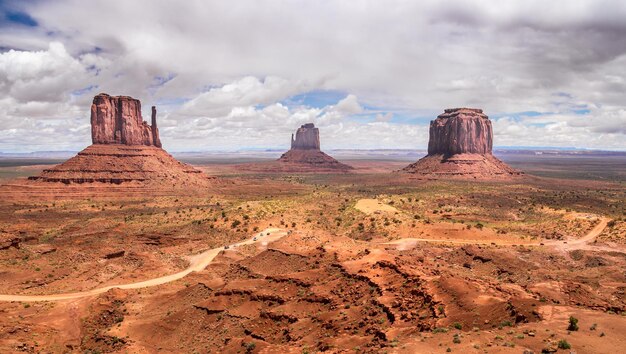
[368, 261]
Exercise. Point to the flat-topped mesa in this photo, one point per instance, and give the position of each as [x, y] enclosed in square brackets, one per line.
[118, 120]
[307, 138]
[460, 145]
[460, 131]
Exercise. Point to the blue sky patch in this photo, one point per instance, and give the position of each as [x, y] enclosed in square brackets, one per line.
[315, 99]
[83, 91]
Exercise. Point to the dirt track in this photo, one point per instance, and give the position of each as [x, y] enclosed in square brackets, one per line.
[568, 245]
[197, 263]
[202, 260]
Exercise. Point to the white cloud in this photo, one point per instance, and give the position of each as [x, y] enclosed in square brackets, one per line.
[349, 105]
[243, 92]
[218, 68]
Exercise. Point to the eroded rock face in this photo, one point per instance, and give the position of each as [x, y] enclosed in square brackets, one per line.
[118, 120]
[460, 131]
[307, 138]
[460, 145]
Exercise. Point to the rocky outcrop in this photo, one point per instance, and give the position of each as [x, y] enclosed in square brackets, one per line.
[125, 150]
[307, 137]
[118, 120]
[305, 154]
[460, 145]
[460, 131]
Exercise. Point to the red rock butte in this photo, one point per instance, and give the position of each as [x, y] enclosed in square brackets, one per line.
[117, 120]
[460, 144]
[125, 149]
[305, 153]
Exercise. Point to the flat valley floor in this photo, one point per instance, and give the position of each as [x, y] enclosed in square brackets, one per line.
[366, 262]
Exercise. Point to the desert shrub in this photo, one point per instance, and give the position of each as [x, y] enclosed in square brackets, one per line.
[563, 344]
[235, 224]
[457, 325]
[573, 324]
[250, 347]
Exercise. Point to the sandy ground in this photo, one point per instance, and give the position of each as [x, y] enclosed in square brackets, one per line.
[197, 263]
[370, 206]
[569, 245]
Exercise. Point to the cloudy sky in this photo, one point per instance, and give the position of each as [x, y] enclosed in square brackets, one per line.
[229, 75]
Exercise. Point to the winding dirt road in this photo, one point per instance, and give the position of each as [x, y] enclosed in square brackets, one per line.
[200, 261]
[197, 263]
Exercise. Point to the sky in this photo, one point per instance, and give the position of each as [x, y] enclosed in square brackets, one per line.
[235, 75]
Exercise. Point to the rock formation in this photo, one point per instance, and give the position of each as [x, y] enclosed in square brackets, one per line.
[307, 138]
[305, 153]
[460, 144]
[460, 131]
[125, 149]
[117, 120]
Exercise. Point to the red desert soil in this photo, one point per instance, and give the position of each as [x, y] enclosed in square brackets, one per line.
[376, 262]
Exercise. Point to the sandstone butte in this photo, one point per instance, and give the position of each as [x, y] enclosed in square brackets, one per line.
[305, 153]
[460, 144]
[117, 120]
[125, 149]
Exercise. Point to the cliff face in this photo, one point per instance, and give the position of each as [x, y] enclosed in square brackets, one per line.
[117, 120]
[307, 138]
[460, 131]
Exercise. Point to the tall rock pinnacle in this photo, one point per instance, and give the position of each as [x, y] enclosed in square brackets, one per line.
[117, 120]
[155, 131]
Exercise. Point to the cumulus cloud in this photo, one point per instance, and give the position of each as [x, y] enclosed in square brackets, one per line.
[216, 69]
[349, 105]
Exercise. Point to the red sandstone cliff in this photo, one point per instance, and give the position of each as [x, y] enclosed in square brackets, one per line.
[460, 130]
[118, 120]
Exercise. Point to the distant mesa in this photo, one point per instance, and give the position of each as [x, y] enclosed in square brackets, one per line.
[305, 153]
[460, 144]
[125, 149]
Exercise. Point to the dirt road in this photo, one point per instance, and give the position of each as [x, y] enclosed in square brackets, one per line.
[566, 245]
[197, 263]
